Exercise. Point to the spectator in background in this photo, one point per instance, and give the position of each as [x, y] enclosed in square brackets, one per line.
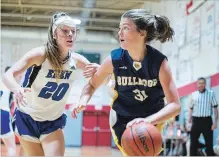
[185, 129]
[168, 132]
[203, 102]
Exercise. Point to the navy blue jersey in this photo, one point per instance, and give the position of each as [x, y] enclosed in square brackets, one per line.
[140, 93]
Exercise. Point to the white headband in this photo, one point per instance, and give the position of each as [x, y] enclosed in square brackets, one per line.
[63, 20]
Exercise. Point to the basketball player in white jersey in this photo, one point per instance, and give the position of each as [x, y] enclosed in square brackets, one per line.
[51, 70]
[7, 133]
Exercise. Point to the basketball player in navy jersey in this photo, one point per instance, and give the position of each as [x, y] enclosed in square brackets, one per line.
[39, 118]
[142, 75]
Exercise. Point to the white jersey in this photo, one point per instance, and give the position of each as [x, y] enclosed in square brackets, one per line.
[4, 97]
[48, 95]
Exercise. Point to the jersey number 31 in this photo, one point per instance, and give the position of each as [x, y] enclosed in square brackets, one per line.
[52, 89]
[140, 95]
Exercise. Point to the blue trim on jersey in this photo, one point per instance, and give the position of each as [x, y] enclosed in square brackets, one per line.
[31, 75]
[116, 54]
[27, 76]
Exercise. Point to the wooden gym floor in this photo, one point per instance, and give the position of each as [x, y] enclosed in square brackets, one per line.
[79, 151]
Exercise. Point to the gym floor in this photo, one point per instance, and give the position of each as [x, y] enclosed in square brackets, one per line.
[78, 151]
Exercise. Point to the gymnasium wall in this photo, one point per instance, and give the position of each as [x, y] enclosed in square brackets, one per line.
[16, 41]
[195, 49]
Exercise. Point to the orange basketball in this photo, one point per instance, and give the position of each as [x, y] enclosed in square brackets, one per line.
[142, 139]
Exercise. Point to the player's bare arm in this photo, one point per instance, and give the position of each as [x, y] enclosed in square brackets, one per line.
[97, 79]
[173, 106]
[34, 57]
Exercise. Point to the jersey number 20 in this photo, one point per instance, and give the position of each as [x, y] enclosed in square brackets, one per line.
[140, 95]
[52, 89]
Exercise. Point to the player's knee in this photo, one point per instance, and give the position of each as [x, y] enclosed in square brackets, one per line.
[53, 143]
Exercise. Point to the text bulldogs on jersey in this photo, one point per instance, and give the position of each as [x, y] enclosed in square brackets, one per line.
[128, 81]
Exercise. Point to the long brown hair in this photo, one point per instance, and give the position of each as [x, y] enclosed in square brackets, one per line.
[156, 26]
[51, 47]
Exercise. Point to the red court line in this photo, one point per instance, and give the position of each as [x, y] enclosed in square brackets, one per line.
[188, 89]
[215, 80]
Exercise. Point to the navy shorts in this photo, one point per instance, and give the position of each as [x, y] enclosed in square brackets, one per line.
[35, 131]
[6, 128]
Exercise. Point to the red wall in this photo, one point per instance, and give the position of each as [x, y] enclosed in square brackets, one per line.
[188, 89]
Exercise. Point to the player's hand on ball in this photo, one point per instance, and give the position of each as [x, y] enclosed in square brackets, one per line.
[90, 69]
[77, 109]
[136, 121]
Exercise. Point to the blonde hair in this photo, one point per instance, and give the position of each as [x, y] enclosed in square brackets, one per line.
[51, 47]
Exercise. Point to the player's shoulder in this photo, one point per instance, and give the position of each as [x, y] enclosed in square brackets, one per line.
[79, 60]
[78, 57]
[153, 52]
[38, 51]
[36, 55]
[116, 54]
[74, 54]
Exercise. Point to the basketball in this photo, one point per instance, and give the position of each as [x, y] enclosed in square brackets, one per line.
[142, 139]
